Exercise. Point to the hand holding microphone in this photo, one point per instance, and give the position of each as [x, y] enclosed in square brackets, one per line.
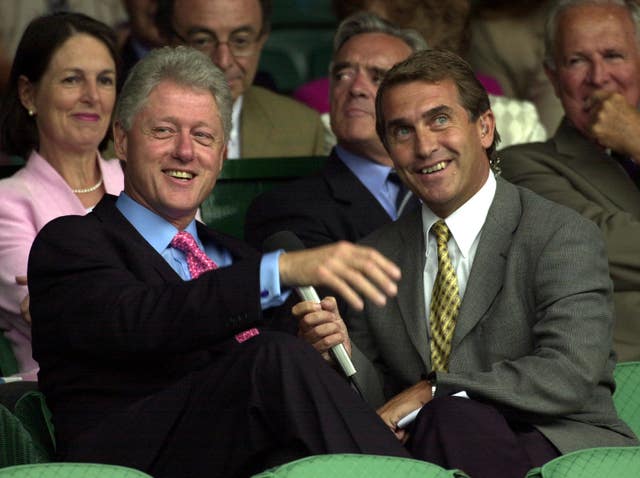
[346, 268]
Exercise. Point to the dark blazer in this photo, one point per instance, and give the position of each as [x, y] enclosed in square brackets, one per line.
[533, 334]
[113, 325]
[329, 206]
[571, 170]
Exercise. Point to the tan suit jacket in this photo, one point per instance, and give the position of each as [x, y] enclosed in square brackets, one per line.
[573, 171]
[273, 125]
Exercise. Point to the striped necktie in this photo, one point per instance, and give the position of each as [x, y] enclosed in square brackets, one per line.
[445, 302]
[199, 263]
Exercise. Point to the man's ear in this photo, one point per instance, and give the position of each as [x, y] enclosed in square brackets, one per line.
[120, 141]
[553, 79]
[223, 157]
[486, 128]
[27, 93]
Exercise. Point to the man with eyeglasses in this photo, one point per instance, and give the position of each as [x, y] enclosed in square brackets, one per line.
[232, 33]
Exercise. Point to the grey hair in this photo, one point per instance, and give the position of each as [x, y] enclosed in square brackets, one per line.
[182, 65]
[365, 22]
[551, 25]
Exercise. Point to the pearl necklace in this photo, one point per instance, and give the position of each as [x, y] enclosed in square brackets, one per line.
[89, 189]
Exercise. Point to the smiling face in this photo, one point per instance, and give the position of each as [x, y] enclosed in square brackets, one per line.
[174, 151]
[596, 50]
[200, 21]
[438, 151]
[357, 70]
[74, 98]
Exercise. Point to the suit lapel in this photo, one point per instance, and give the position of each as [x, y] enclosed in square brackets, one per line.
[597, 168]
[487, 273]
[410, 297]
[346, 188]
[107, 212]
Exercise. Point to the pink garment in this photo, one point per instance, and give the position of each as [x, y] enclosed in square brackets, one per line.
[490, 84]
[199, 263]
[197, 260]
[315, 93]
[29, 199]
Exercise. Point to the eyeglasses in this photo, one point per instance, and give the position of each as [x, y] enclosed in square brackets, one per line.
[240, 44]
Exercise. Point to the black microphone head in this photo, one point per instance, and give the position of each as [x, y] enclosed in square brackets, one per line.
[286, 240]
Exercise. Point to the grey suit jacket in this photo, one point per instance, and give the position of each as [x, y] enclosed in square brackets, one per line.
[571, 170]
[273, 125]
[533, 335]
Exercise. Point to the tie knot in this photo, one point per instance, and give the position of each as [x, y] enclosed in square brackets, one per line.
[394, 178]
[441, 231]
[184, 242]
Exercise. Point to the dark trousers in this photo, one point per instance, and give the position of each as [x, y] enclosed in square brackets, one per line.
[260, 403]
[476, 438]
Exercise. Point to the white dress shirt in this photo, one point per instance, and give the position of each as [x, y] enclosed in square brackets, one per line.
[465, 225]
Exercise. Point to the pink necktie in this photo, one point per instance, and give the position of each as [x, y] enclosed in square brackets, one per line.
[199, 263]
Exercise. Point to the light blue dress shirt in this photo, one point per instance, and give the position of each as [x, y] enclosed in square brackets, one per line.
[374, 176]
[158, 233]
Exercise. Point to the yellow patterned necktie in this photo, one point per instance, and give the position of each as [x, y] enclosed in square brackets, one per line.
[445, 302]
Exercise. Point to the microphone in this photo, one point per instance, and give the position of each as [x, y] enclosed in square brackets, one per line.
[288, 241]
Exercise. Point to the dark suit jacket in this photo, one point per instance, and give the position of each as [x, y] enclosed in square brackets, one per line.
[533, 334]
[571, 170]
[273, 125]
[329, 206]
[113, 325]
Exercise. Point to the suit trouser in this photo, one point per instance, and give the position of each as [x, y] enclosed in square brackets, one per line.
[476, 438]
[261, 402]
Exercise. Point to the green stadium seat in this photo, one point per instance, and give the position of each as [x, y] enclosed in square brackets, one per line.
[618, 462]
[358, 466]
[243, 179]
[71, 470]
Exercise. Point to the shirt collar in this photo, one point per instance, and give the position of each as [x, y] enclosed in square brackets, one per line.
[373, 175]
[233, 146]
[466, 222]
[157, 231]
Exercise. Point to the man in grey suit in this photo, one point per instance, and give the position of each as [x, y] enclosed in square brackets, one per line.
[505, 299]
[592, 163]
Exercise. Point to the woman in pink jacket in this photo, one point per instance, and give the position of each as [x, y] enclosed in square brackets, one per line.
[56, 113]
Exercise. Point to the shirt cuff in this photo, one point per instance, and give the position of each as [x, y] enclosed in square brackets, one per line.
[270, 293]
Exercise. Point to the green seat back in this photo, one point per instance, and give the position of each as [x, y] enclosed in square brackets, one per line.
[241, 180]
[618, 462]
[302, 14]
[291, 49]
[71, 470]
[17, 446]
[627, 395]
[8, 363]
[34, 414]
[358, 466]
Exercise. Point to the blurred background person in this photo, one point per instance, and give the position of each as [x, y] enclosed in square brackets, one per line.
[443, 26]
[142, 34]
[16, 15]
[55, 113]
[232, 33]
[507, 43]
